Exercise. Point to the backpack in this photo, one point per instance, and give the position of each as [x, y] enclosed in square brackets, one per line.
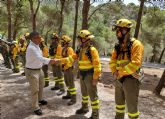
[87, 52]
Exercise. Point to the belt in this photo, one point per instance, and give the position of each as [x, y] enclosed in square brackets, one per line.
[124, 77]
[33, 69]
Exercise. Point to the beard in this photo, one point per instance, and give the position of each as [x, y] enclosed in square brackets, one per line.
[121, 39]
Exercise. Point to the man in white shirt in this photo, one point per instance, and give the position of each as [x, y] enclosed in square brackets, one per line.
[34, 73]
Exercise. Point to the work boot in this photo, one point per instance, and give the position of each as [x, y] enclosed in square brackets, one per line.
[72, 101]
[55, 88]
[83, 110]
[23, 73]
[7, 66]
[38, 112]
[15, 70]
[67, 96]
[61, 92]
[95, 114]
[46, 83]
[43, 102]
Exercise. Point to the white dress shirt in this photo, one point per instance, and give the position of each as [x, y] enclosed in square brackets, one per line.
[34, 57]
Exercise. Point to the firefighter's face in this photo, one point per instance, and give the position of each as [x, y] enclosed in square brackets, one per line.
[54, 41]
[120, 32]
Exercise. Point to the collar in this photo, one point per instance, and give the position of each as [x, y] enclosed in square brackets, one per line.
[32, 43]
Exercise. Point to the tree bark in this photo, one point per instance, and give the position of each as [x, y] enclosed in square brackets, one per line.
[161, 56]
[85, 12]
[138, 22]
[15, 28]
[46, 35]
[61, 17]
[34, 14]
[75, 24]
[160, 84]
[9, 2]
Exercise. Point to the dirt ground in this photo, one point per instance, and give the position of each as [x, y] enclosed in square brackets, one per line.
[15, 98]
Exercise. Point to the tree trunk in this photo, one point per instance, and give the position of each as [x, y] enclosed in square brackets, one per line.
[139, 19]
[9, 2]
[160, 84]
[153, 58]
[61, 17]
[46, 35]
[34, 14]
[75, 24]
[85, 12]
[161, 56]
[15, 27]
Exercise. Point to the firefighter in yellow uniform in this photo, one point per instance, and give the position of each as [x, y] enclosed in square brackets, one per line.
[90, 70]
[67, 65]
[22, 47]
[14, 50]
[45, 53]
[125, 64]
[55, 51]
[27, 38]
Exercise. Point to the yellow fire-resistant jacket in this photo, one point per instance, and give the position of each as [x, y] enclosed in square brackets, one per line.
[23, 48]
[15, 52]
[67, 59]
[45, 51]
[58, 52]
[128, 66]
[86, 64]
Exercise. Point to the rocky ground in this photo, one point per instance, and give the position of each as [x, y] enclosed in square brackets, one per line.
[15, 98]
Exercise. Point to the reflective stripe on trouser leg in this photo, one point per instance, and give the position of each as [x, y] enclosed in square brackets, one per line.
[56, 79]
[134, 115]
[120, 100]
[85, 99]
[120, 108]
[95, 109]
[72, 91]
[95, 104]
[46, 79]
[131, 91]
[61, 81]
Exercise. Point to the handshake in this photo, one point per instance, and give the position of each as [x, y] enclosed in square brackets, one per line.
[55, 61]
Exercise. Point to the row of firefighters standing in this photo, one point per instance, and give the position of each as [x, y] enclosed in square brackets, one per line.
[13, 52]
[125, 64]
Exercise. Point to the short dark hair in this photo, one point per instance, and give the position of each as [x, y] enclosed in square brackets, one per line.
[33, 34]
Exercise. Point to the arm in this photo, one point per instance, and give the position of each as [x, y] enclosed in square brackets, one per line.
[38, 56]
[58, 52]
[96, 63]
[45, 52]
[70, 58]
[15, 52]
[112, 62]
[137, 52]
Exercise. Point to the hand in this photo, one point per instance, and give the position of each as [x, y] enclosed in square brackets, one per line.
[94, 82]
[54, 61]
[120, 74]
[115, 75]
[58, 61]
